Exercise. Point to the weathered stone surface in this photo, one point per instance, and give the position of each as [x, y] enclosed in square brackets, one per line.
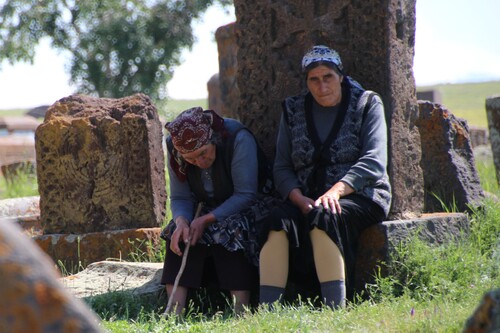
[18, 123]
[478, 136]
[450, 174]
[100, 165]
[214, 97]
[25, 206]
[13, 171]
[483, 153]
[228, 64]
[24, 212]
[30, 225]
[32, 299]
[139, 279]
[74, 250]
[493, 115]
[433, 96]
[376, 42]
[377, 243]
[38, 112]
[16, 148]
[486, 317]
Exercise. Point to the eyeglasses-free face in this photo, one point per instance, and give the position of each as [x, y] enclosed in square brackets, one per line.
[202, 157]
[324, 84]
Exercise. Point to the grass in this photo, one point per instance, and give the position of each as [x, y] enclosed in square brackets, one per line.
[24, 184]
[429, 289]
[401, 315]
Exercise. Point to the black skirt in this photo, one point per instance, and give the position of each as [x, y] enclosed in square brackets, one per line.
[358, 213]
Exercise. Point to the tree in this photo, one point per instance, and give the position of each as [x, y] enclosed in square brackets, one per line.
[118, 47]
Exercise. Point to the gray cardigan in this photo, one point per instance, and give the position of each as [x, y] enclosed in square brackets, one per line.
[369, 168]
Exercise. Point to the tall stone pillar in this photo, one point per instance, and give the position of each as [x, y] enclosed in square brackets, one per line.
[493, 115]
[375, 39]
[214, 98]
[228, 63]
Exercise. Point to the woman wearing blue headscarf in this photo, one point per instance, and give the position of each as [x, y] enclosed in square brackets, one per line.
[331, 170]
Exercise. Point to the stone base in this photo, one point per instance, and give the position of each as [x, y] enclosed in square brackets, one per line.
[74, 251]
[377, 243]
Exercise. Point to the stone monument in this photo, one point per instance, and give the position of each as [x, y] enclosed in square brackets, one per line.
[100, 165]
[493, 115]
[228, 63]
[450, 178]
[376, 42]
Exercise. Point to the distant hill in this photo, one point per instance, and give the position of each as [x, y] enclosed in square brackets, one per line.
[467, 100]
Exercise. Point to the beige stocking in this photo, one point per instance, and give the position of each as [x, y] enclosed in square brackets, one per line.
[327, 257]
[274, 260]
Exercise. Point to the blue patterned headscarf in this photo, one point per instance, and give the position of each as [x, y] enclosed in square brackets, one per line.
[321, 53]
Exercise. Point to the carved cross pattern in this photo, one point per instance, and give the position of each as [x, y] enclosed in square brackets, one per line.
[332, 22]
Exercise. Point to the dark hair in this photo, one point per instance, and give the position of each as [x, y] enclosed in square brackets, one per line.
[328, 64]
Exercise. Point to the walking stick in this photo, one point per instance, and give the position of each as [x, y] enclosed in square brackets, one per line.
[183, 265]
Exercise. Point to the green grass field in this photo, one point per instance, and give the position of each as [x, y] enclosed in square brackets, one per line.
[467, 100]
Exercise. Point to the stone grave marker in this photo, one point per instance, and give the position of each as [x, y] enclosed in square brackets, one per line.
[100, 165]
[376, 42]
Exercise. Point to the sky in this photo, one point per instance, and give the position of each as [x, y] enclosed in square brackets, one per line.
[456, 41]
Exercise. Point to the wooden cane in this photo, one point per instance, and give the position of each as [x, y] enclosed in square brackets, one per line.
[183, 265]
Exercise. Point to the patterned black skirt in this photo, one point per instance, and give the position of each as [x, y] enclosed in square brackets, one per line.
[238, 231]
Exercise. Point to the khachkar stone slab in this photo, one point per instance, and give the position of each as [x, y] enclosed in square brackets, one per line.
[376, 42]
[228, 63]
[493, 115]
[33, 299]
[100, 165]
[451, 180]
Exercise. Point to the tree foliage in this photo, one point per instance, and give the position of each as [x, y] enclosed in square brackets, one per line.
[117, 47]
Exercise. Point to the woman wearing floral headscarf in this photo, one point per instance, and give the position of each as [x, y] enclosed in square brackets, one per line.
[330, 167]
[214, 161]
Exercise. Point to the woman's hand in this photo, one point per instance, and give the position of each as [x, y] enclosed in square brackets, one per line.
[330, 199]
[180, 234]
[305, 204]
[198, 226]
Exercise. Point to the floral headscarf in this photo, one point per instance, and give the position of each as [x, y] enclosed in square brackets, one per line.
[189, 131]
[321, 53]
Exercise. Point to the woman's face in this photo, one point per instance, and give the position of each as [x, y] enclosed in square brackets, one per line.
[202, 157]
[324, 84]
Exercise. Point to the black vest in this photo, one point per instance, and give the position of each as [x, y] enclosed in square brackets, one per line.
[221, 169]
